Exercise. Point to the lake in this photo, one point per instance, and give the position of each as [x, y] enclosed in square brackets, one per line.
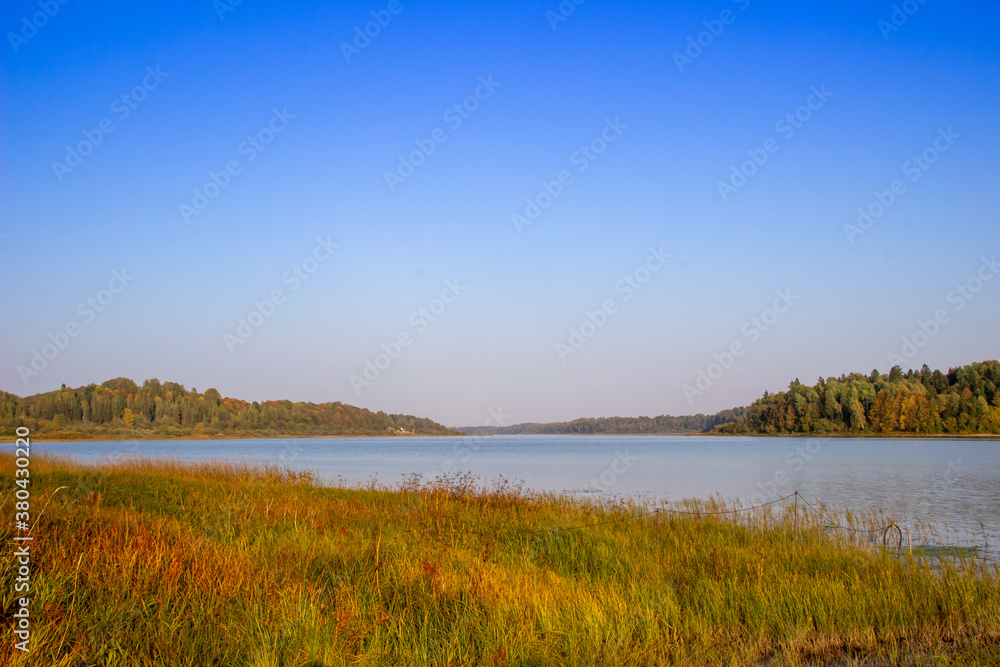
[953, 486]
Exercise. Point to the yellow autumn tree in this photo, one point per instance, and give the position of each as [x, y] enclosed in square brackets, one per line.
[908, 414]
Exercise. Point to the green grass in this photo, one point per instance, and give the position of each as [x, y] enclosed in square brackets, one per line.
[167, 564]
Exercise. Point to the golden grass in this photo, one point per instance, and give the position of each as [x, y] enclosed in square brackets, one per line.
[152, 563]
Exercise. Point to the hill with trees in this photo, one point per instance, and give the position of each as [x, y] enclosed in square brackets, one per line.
[121, 409]
[964, 400]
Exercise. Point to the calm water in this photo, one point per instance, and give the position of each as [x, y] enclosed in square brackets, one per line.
[951, 484]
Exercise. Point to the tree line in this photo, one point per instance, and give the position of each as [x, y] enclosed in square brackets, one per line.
[121, 408]
[616, 425]
[963, 400]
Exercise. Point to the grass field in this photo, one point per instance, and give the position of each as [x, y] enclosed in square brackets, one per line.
[141, 563]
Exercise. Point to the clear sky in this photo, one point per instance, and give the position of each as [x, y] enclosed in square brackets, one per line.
[652, 176]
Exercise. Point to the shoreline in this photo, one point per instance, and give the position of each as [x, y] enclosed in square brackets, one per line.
[9, 440]
[845, 436]
[868, 436]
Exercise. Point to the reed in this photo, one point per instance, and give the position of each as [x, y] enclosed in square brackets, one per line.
[164, 563]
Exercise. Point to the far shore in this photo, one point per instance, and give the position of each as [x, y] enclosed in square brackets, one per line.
[202, 438]
[869, 436]
[9, 439]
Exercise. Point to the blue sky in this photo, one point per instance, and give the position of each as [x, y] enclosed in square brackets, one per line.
[641, 137]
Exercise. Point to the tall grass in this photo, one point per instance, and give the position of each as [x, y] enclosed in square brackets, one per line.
[142, 563]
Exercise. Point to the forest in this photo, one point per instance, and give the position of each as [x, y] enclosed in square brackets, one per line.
[121, 409]
[961, 401]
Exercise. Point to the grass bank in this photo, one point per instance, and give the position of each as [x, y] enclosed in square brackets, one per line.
[141, 563]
